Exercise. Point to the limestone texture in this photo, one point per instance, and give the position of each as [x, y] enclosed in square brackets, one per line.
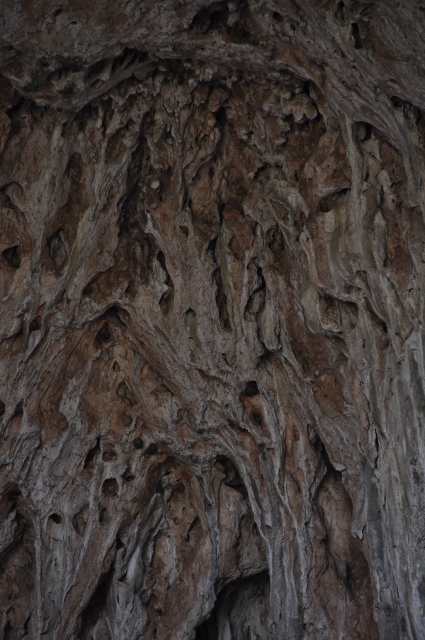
[212, 363]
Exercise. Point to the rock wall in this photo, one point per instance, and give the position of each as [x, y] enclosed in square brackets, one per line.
[211, 323]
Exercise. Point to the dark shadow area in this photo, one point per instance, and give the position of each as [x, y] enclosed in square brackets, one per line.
[243, 606]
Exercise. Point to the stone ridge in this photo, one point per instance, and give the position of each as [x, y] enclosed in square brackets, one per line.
[212, 251]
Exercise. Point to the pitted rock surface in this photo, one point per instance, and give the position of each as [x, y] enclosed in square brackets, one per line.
[212, 361]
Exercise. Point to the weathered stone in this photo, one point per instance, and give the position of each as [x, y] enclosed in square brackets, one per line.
[212, 252]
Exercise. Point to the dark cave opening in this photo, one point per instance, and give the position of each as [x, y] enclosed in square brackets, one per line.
[243, 604]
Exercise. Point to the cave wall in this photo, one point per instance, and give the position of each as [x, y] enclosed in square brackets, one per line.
[212, 252]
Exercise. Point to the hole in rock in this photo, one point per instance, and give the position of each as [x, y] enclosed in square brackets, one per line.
[210, 18]
[340, 13]
[95, 70]
[96, 606]
[129, 57]
[363, 131]
[161, 259]
[103, 516]
[251, 389]
[397, 102]
[92, 454]
[13, 494]
[19, 409]
[2, 408]
[242, 608]
[56, 518]
[104, 334]
[221, 120]
[88, 289]
[232, 476]
[26, 625]
[355, 31]
[152, 449]
[35, 325]
[110, 487]
[212, 248]
[320, 447]
[12, 255]
[138, 443]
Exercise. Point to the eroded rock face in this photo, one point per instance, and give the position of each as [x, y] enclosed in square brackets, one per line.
[212, 362]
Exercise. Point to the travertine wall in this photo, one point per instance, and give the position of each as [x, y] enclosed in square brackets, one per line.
[211, 346]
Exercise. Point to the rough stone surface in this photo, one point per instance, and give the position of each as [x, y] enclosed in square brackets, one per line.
[211, 323]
